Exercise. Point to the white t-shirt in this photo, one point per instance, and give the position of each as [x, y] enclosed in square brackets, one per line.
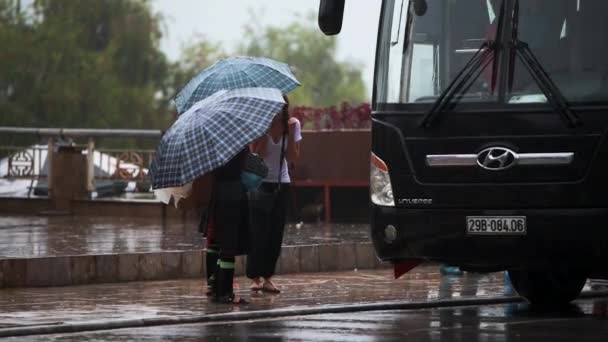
[273, 154]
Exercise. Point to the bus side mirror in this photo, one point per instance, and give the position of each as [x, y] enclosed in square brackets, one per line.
[331, 13]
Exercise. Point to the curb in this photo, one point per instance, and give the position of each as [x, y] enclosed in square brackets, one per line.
[173, 264]
[285, 312]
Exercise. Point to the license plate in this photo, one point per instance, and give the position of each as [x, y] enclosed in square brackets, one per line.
[496, 225]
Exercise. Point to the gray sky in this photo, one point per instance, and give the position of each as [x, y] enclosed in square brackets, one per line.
[222, 21]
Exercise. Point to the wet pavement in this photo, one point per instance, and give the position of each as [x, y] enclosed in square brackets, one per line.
[26, 237]
[583, 321]
[183, 298]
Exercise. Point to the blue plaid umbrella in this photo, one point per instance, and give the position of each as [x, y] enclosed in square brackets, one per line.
[234, 73]
[212, 132]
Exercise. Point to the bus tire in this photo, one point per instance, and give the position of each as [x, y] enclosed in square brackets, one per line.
[551, 287]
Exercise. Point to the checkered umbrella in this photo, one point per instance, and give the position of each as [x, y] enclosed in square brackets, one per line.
[212, 132]
[234, 73]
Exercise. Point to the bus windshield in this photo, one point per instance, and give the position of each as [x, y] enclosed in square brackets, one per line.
[421, 52]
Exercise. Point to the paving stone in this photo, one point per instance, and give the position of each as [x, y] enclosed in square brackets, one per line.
[290, 260]
[106, 268]
[61, 271]
[366, 257]
[83, 269]
[347, 259]
[171, 264]
[128, 267]
[151, 266]
[309, 258]
[193, 264]
[38, 272]
[328, 258]
[15, 272]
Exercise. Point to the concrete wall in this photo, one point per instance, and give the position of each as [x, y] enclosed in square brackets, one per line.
[340, 156]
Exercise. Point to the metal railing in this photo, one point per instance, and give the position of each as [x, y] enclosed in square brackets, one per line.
[83, 132]
[23, 163]
[34, 162]
[122, 164]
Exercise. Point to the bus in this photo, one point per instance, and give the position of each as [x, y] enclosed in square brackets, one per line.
[489, 150]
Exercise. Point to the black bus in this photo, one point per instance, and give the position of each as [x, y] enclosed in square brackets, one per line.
[489, 131]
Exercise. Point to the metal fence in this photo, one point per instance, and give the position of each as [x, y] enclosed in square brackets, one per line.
[33, 162]
[23, 163]
[122, 164]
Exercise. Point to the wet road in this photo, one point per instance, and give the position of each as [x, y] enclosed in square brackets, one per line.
[186, 298]
[585, 320]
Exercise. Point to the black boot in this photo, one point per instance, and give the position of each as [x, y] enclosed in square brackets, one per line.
[211, 266]
[225, 292]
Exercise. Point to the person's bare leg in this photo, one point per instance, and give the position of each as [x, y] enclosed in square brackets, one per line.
[256, 284]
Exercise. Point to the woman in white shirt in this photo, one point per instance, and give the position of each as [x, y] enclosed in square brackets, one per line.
[268, 221]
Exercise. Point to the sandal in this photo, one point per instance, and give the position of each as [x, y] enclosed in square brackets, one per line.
[270, 288]
[230, 299]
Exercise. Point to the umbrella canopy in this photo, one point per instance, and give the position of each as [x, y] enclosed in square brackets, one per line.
[234, 73]
[212, 132]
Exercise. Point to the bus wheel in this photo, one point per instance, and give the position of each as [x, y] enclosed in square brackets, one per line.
[550, 287]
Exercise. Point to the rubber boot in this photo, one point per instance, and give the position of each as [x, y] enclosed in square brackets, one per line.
[225, 279]
[211, 264]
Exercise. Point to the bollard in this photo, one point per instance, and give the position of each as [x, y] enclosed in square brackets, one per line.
[68, 176]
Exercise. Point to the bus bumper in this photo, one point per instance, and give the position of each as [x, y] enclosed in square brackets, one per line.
[565, 236]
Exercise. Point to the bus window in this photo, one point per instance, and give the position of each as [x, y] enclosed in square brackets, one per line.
[397, 39]
[426, 51]
[565, 36]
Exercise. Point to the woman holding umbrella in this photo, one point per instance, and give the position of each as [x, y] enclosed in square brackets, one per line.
[212, 137]
[222, 110]
[278, 147]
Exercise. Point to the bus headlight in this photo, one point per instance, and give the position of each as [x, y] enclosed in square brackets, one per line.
[381, 190]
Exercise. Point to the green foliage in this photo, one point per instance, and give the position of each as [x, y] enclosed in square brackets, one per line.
[98, 64]
[325, 80]
[195, 57]
[81, 64]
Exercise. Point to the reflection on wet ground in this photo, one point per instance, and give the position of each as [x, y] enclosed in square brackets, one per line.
[583, 321]
[68, 235]
[186, 297]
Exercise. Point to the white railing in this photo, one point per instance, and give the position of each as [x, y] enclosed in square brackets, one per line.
[21, 163]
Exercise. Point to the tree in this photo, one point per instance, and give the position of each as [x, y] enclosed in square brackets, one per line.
[195, 57]
[325, 80]
[82, 64]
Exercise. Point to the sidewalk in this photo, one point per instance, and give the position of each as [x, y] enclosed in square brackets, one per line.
[35, 236]
[145, 304]
[183, 298]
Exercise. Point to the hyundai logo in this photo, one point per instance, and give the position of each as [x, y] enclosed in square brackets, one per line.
[496, 158]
